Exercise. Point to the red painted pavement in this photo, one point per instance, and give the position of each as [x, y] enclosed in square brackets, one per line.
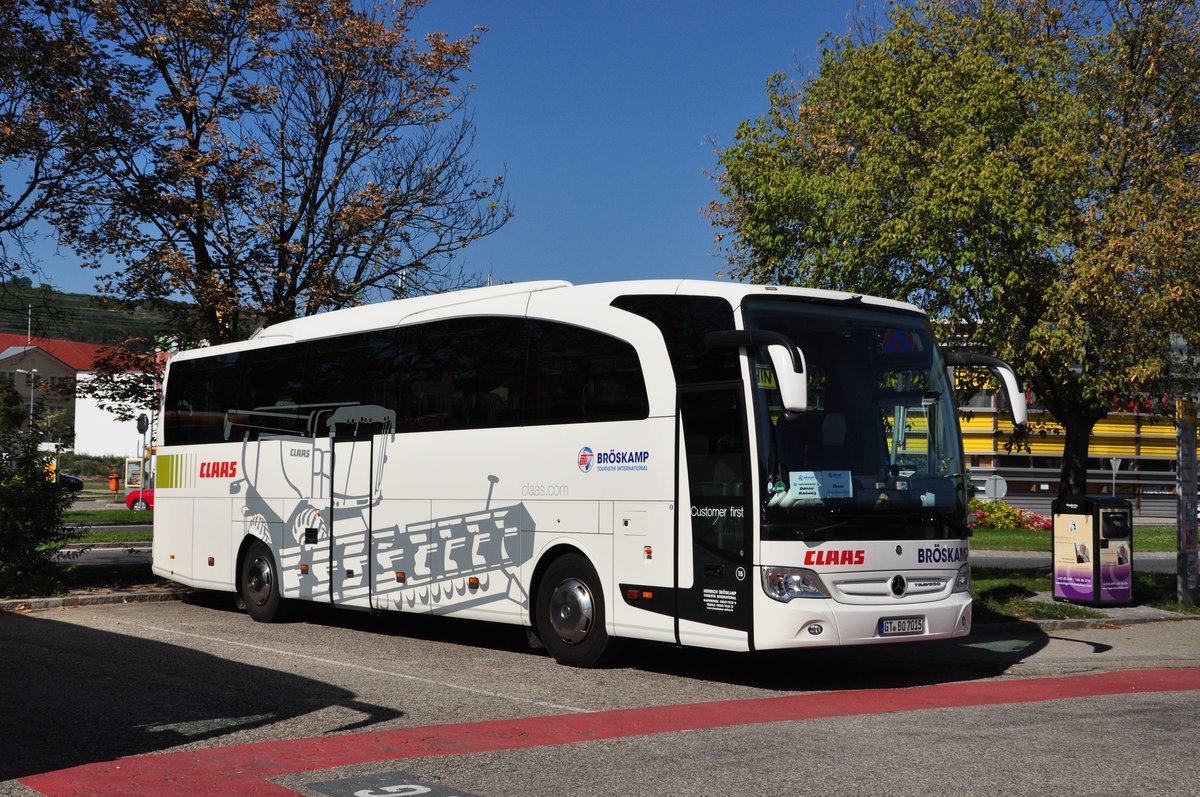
[244, 769]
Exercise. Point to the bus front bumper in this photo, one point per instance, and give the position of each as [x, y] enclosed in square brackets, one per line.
[824, 622]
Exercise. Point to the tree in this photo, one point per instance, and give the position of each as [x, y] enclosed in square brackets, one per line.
[32, 531]
[127, 378]
[60, 98]
[1028, 165]
[290, 156]
[12, 410]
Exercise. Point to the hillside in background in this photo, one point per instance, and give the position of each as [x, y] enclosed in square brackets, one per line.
[71, 316]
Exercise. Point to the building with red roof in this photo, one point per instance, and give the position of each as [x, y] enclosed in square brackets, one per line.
[43, 372]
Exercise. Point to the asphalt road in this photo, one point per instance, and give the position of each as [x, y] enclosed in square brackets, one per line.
[346, 703]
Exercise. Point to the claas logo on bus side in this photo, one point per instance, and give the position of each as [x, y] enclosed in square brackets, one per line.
[218, 470]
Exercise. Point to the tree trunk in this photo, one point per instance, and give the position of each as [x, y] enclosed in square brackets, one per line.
[1077, 429]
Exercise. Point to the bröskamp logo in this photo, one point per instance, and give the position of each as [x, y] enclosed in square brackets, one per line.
[587, 459]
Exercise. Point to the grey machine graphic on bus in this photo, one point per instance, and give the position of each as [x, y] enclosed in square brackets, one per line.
[311, 481]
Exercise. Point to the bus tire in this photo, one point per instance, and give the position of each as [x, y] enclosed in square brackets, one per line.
[570, 613]
[258, 585]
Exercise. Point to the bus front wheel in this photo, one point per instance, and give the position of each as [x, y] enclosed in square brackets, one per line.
[570, 613]
[259, 585]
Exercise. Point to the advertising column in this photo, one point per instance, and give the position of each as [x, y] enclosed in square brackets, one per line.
[1093, 550]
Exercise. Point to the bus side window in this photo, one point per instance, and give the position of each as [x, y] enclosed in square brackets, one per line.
[463, 373]
[357, 369]
[578, 375]
[198, 394]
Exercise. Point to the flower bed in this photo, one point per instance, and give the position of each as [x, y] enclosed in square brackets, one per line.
[999, 515]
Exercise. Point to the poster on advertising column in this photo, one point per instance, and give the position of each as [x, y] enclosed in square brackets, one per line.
[1073, 557]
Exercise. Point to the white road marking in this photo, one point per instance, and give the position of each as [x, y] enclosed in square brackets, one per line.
[363, 668]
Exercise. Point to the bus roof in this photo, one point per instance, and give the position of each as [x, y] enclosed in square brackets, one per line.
[385, 315]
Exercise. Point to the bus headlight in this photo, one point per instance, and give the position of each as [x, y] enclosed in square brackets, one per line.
[785, 583]
[962, 583]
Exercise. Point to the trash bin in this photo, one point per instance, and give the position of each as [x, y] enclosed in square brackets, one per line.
[1093, 550]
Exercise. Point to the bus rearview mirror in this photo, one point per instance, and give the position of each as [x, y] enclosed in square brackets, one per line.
[791, 372]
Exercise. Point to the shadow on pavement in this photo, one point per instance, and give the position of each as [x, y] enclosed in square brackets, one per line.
[62, 709]
[820, 669]
[835, 669]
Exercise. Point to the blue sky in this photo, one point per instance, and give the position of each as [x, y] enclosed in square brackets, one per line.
[604, 117]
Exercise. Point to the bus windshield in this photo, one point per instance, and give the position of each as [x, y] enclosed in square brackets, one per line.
[877, 454]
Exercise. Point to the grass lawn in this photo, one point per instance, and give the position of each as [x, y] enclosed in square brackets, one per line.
[1145, 538]
[1001, 594]
[97, 536]
[109, 517]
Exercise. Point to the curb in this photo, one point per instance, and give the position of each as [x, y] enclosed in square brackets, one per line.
[35, 604]
[1042, 626]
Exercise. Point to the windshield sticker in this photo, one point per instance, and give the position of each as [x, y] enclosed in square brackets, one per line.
[817, 485]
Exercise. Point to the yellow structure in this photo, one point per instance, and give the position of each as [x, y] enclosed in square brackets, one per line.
[1130, 436]
[1131, 455]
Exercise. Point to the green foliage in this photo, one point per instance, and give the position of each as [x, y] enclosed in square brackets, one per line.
[32, 531]
[1029, 167]
[90, 468]
[77, 316]
[12, 411]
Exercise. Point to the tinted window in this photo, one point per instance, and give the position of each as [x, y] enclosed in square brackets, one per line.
[578, 375]
[271, 393]
[198, 394]
[684, 321]
[463, 373]
[356, 369]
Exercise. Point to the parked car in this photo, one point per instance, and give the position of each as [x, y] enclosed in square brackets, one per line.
[73, 484]
[138, 500]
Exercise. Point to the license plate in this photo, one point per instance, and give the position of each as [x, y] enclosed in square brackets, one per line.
[899, 626]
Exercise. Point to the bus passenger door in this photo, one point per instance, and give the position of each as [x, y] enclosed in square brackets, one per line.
[359, 439]
[716, 523]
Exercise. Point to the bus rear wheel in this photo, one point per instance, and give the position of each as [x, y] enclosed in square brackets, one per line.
[570, 614]
[258, 585]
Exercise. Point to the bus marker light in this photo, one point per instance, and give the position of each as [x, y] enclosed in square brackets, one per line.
[632, 594]
[647, 595]
[304, 569]
[649, 552]
[473, 582]
[400, 577]
[211, 561]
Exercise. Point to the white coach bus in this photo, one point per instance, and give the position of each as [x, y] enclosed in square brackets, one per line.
[699, 463]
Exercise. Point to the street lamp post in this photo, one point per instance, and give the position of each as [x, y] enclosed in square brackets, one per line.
[32, 384]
